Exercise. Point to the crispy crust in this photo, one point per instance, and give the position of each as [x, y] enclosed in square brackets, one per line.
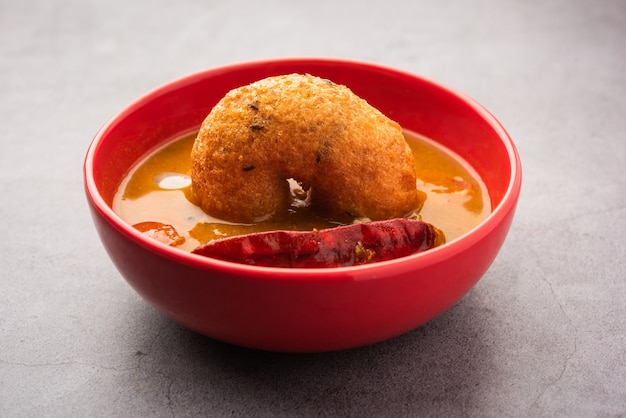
[354, 158]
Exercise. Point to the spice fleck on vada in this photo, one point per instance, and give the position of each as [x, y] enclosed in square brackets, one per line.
[352, 159]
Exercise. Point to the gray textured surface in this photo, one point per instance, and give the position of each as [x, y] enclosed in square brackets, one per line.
[543, 333]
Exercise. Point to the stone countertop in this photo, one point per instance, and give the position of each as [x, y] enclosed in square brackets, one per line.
[543, 332]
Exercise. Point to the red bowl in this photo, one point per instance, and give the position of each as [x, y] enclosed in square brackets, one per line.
[303, 310]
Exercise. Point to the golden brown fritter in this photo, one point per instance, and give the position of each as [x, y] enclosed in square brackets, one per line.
[354, 159]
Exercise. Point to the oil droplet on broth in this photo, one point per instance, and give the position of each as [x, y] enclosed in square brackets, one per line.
[172, 181]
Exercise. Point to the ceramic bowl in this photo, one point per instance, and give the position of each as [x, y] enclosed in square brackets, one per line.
[303, 310]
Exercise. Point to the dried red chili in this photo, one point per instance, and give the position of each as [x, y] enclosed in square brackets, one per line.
[164, 233]
[348, 245]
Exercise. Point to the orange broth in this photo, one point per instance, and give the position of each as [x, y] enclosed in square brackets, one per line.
[158, 189]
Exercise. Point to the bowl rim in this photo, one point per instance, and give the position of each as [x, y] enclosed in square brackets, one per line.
[373, 270]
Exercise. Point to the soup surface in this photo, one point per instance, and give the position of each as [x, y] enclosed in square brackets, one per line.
[158, 190]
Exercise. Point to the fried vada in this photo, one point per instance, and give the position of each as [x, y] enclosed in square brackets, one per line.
[352, 159]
